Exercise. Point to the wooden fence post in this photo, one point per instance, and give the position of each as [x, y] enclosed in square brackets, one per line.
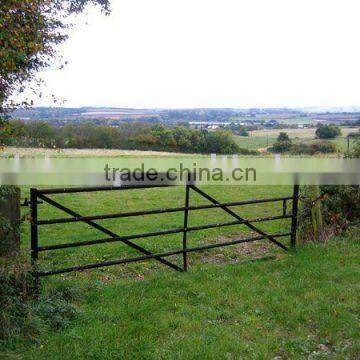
[9, 221]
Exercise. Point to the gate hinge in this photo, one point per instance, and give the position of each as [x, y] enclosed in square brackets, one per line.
[26, 202]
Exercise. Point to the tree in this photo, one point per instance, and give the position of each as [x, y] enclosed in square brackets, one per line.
[283, 143]
[5, 131]
[243, 132]
[29, 31]
[182, 138]
[281, 146]
[220, 142]
[327, 132]
[283, 136]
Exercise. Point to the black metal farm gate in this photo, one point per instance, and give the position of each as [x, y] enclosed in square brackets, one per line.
[43, 194]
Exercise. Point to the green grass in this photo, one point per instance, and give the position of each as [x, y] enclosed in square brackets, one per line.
[132, 200]
[340, 142]
[262, 142]
[254, 142]
[302, 305]
[297, 305]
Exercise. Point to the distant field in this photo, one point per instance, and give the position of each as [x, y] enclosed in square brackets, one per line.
[341, 143]
[299, 120]
[254, 142]
[293, 133]
[282, 119]
[261, 139]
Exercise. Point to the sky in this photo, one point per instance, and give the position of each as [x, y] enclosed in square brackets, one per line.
[212, 53]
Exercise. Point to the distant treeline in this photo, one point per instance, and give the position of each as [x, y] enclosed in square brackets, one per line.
[130, 136]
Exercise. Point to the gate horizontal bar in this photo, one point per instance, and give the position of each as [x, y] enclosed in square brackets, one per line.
[157, 233]
[154, 256]
[236, 216]
[96, 188]
[158, 211]
[104, 230]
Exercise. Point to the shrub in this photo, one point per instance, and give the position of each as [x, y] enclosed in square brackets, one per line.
[283, 136]
[283, 144]
[356, 150]
[328, 210]
[327, 132]
[23, 315]
[243, 132]
[300, 148]
[244, 151]
[321, 147]
[281, 147]
[341, 203]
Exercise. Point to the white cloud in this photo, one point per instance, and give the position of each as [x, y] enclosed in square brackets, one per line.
[219, 53]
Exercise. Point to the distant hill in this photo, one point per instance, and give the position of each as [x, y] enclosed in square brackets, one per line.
[112, 115]
[319, 109]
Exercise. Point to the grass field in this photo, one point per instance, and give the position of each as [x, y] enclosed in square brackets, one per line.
[341, 143]
[304, 305]
[85, 153]
[297, 133]
[298, 304]
[145, 199]
[261, 139]
[254, 142]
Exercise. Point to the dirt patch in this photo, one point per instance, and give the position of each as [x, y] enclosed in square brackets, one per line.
[249, 251]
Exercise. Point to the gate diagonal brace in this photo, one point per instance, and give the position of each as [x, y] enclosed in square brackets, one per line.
[236, 216]
[108, 232]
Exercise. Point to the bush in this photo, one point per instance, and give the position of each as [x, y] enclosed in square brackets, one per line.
[244, 151]
[23, 315]
[328, 210]
[341, 203]
[327, 132]
[243, 132]
[356, 149]
[283, 144]
[281, 147]
[300, 148]
[321, 147]
[283, 136]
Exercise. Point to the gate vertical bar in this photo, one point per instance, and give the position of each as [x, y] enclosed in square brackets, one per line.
[294, 214]
[186, 216]
[34, 232]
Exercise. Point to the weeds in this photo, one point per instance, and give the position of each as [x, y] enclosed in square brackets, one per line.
[25, 316]
[326, 211]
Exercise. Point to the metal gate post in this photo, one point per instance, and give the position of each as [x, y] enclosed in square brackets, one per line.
[34, 233]
[294, 215]
[186, 215]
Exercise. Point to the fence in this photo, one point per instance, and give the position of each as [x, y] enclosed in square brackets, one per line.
[43, 194]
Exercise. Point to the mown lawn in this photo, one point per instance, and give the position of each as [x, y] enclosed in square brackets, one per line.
[304, 304]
